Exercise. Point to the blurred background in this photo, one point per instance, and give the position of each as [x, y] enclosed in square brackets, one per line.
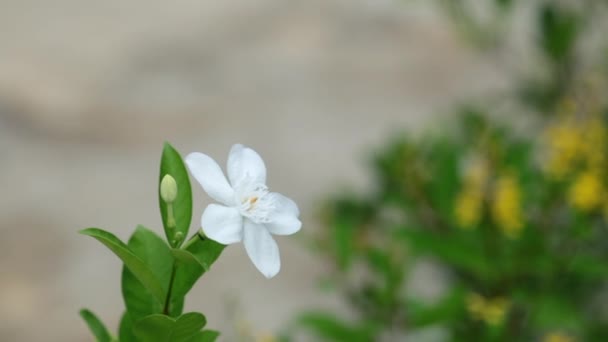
[90, 90]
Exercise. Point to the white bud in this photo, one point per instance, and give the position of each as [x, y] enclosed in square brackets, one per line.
[168, 189]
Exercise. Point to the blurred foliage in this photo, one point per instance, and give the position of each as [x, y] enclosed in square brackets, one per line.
[557, 34]
[515, 221]
[519, 225]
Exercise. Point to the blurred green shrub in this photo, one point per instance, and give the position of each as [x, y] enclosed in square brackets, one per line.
[519, 223]
[515, 221]
[557, 33]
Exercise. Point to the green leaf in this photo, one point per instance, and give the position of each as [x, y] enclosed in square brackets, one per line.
[445, 177]
[347, 217]
[188, 271]
[96, 326]
[588, 266]
[140, 270]
[166, 329]
[193, 262]
[125, 330]
[343, 234]
[453, 249]
[138, 300]
[449, 308]
[205, 251]
[205, 336]
[171, 163]
[552, 312]
[155, 254]
[184, 257]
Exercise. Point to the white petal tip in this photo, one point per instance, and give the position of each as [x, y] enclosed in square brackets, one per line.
[269, 270]
[270, 275]
[190, 156]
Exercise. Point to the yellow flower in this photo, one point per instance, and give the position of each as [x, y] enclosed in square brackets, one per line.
[468, 207]
[506, 207]
[587, 191]
[491, 311]
[476, 305]
[595, 141]
[574, 141]
[557, 337]
[469, 202]
[564, 141]
[496, 310]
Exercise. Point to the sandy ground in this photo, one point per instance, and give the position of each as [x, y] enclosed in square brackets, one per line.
[90, 90]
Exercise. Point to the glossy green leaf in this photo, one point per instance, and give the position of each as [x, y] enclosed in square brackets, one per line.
[166, 329]
[205, 251]
[125, 330]
[188, 271]
[193, 262]
[155, 253]
[171, 163]
[136, 266]
[96, 326]
[138, 300]
[183, 256]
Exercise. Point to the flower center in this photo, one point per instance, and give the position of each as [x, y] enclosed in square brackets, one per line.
[253, 202]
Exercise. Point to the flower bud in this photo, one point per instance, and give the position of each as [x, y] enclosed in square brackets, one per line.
[168, 189]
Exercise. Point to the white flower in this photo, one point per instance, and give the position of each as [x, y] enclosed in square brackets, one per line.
[250, 212]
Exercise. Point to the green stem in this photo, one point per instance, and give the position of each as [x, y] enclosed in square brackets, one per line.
[193, 239]
[170, 217]
[168, 299]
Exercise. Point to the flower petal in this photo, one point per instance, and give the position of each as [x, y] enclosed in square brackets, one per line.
[244, 162]
[261, 248]
[284, 204]
[284, 225]
[222, 224]
[210, 176]
[284, 220]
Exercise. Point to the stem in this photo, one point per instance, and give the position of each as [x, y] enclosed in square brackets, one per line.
[193, 239]
[170, 217]
[168, 299]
